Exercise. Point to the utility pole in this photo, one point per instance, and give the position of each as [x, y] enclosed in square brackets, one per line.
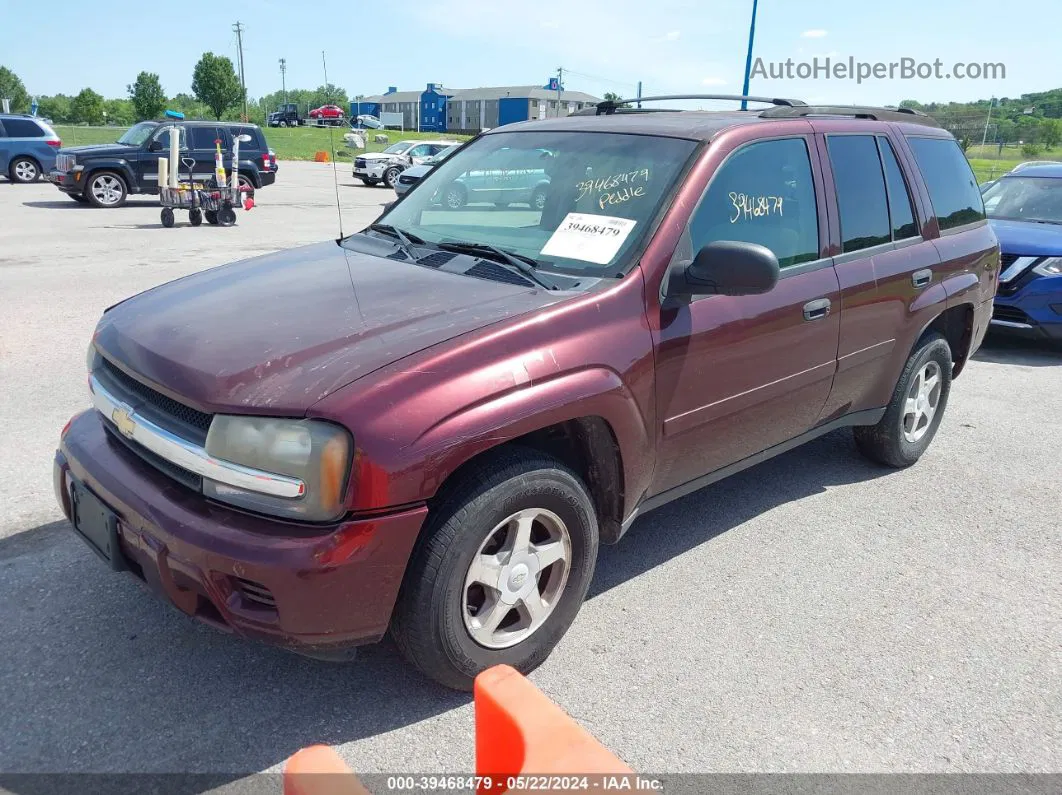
[560, 83]
[243, 83]
[984, 137]
[283, 79]
[748, 58]
[639, 93]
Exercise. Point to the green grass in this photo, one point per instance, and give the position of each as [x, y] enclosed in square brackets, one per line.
[290, 143]
[988, 163]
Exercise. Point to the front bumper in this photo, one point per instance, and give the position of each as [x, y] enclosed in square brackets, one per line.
[66, 181]
[373, 169]
[1033, 311]
[314, 590]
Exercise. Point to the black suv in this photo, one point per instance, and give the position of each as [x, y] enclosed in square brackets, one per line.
[104, 175]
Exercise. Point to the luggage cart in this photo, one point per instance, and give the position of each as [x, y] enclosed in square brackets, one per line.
[213, 203]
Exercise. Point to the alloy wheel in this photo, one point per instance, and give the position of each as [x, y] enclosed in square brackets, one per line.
[923, 398]
[107, 190]
[25, 171]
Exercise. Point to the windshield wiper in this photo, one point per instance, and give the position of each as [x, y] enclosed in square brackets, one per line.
[405, 240]
[525, 265]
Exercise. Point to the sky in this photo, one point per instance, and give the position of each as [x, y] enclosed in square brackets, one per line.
[672, 46]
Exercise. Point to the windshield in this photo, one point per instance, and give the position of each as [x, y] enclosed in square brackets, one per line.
[445, 153]
[397, 149]
[1025, 199]
[574, 202]
[137, 134]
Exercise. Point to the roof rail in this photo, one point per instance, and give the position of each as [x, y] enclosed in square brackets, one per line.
[610, 106]
[909, 115]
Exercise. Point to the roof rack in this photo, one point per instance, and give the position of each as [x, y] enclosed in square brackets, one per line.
[909, 115]
[610, 106]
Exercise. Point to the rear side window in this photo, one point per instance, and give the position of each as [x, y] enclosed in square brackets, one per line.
[23, 128]
[254, 145]
[901, 213]
[951, 182]
[762, 194]
[204, 137]
[861, 199]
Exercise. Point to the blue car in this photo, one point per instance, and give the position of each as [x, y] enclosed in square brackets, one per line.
[1025, 210]
[27, 147]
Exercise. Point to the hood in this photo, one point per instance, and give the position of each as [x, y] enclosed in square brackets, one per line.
[98, 149]
[380, 156]
[1028, 239]
[417, 171]
[278, 333]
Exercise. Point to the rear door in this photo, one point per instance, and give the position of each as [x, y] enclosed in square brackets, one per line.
[203, 140]
[885, 267]
[737, 375]
[5, 151]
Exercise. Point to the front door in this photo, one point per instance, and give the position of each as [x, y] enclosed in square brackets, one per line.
[739, 374]
[158, 145]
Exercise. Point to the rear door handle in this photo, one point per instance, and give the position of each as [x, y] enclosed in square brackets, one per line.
[922, 278]
[817, 309]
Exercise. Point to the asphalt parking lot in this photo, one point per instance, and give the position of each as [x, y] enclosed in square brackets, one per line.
[813, 614]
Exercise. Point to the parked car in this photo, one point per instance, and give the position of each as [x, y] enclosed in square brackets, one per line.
[285, 116]
[27, 147]
[408, 178]
[366, 121]
[509, 176]
[372, 168]
[105, 175]
[328, 114]
[1025, 211]
[430, 426]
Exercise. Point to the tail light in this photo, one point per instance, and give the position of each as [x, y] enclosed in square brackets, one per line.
[268, 160]
[56, 143]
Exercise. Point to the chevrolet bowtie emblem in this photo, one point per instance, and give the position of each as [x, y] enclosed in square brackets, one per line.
[126, 424]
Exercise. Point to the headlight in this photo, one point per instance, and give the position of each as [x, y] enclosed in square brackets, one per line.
[1052, 266]
[318, 453]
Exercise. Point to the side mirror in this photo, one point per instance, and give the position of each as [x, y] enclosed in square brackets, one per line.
[155, 146]
[725, 267]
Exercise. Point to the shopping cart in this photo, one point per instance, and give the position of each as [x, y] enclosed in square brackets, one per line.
[215, 204]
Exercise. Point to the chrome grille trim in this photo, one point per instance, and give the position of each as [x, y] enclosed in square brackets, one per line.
[186, 454]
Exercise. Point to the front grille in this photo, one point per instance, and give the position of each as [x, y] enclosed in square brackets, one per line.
[65, 162]
[490, 270]
[359, 162]
[1009, 314]
[168, 412]
[180, 474]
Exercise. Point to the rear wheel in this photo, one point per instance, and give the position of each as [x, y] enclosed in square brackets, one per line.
[106, 189]
[501, 570]
[916, 409]
[226, 216]
[211, 217]
[195, 217]
[24, 170]
[167, 218]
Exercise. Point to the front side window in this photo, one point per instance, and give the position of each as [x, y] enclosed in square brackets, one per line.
[950, 180]
[1034, 199]
[163, 137]
[579, 203]
[138, 134]
[398, 149]
[763, 194]
[860, 184]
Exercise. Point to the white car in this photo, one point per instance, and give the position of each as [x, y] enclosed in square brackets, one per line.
[372, 168]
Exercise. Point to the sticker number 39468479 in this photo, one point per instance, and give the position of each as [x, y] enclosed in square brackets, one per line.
[591, 238]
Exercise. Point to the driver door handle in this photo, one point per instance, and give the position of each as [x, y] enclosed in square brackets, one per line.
[817, 309]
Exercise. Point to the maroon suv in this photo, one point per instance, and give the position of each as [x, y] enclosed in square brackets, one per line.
[429, 426]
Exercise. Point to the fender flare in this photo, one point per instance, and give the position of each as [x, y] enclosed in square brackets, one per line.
[121, 165]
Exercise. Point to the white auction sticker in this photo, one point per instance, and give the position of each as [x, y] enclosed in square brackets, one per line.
[591, 238]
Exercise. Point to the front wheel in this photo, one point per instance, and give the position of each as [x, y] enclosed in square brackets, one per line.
[167, 217]
[282, 124]
[390, 176]
[916, 409]
[500, 572]
[211, 217]
[106, 189]
[226, 216]
[195, 217]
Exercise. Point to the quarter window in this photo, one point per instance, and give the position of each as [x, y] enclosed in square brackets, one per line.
[861, 198]
[22, 128]
[763, 194]
[950, 180]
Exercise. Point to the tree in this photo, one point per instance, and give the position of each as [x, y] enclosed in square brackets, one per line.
[56, 108]
[611, 96]
[215, 84]
[1051, 132]
[148, 97]
[120, 112]
[87, 108]
[329, 95]
[11, 88]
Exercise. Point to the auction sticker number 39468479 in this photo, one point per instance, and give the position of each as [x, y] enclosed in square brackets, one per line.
[591, 238]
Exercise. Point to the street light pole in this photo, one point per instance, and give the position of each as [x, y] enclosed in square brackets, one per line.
[748, 58]
[283, 78]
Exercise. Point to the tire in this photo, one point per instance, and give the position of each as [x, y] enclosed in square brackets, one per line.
[78, 198]
[226, 216]
[454, 197]
[435, 616]
[905, 431]
[106, 189]
[370, 182]
[390, 176]
[538, 199]
[195, 217]
[211, 217]
[246, 181]
[282, 123]
[24, 170]
[166, 216]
